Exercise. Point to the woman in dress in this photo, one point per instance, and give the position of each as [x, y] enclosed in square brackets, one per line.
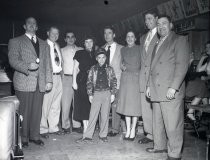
[83, 60]
[197, 85]
[129, 95]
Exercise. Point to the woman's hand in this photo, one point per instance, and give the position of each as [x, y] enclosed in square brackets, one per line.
[75, 86]
[91, 99]
[112, 98]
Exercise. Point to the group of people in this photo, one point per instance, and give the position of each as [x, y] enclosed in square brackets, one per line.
[136, 80]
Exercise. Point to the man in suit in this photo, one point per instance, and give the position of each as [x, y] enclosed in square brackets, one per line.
[68, 53]
[52, 100]
[147, 43]
[114, 60]
[166, 89]
[29, 56]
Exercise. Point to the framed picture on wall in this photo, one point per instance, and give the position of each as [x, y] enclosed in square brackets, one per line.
[203, 6]
[164, 8]
[190, 8]
[176, 10]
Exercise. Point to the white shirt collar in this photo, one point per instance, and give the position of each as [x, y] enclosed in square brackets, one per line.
[112, 45]
[30, 36]
[50, 42]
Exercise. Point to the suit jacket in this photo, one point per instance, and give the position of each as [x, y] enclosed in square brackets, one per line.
[21, 54]
[146, 60]
[116, 63]
[169, 67]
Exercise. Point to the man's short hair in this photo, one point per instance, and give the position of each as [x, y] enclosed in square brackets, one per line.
[53, 27]
[165, 16]
[27, 18]
[152, 12]
[208, 42]
[110, 27]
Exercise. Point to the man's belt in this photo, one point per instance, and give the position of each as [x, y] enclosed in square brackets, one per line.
[68, 75]
[57, 73]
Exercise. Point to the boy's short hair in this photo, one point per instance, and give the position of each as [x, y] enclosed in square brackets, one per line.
[110, 27]
[100, 51]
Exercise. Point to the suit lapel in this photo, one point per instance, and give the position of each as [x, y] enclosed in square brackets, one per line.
[115, 54]
[143, 48]
[161, 50]
[28, 43]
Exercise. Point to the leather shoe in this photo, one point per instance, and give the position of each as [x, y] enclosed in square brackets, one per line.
[44, 135]
[84, 140]
[24, 144]
[58, 133]
[112, 134]
[37, 142]
[103, 139]
[145, 140]
[66, 131]
[172, 158]
[78, 130]
[152, 150]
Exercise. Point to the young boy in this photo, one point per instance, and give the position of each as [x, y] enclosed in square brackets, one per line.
[101, 88]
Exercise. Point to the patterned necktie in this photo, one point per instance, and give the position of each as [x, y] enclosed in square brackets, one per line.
[57, 60]
[33, 39]
[148, 39]
[108, 55]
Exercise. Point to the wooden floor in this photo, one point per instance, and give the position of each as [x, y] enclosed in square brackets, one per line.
[65, 148]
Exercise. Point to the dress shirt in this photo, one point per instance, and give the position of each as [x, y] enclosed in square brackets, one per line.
[150, 35]
[160, 42]
[112, 50]
[30, 37]
[56, 68]
[68, 53]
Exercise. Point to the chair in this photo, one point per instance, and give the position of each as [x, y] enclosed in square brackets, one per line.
[10, 144]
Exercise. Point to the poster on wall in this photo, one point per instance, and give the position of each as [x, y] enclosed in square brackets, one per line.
[190, 8]
[203, 6]
[164, 8]
[176, 10]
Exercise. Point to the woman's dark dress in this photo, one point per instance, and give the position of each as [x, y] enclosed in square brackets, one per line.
[82, 105]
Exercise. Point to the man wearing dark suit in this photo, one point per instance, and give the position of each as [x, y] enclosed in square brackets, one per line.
[147, 43]
[30, 58]
[114, 60]
[166, 89]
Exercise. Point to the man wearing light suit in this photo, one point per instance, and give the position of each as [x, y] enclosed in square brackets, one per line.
[166, 89]
[30, 58]
[52, 100]
[114, 60]
[147, 44]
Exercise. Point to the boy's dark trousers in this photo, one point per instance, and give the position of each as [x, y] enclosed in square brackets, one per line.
[101, 103]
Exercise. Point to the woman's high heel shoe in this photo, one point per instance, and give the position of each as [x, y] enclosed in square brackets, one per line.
[132, 139]
[191, 116]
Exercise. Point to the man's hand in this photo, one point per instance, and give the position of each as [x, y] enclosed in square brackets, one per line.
[33, 66]
[171, 93]
[75, 86]
[112, 98]
[48, 87]
[148, 92]
[91, 99]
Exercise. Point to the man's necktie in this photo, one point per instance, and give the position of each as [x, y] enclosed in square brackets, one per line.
[148, 39]
[108, 55]
[57, 60]
[33, 39]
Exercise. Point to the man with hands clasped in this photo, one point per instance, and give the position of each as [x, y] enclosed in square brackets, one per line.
[166, 89]
[101, 89]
